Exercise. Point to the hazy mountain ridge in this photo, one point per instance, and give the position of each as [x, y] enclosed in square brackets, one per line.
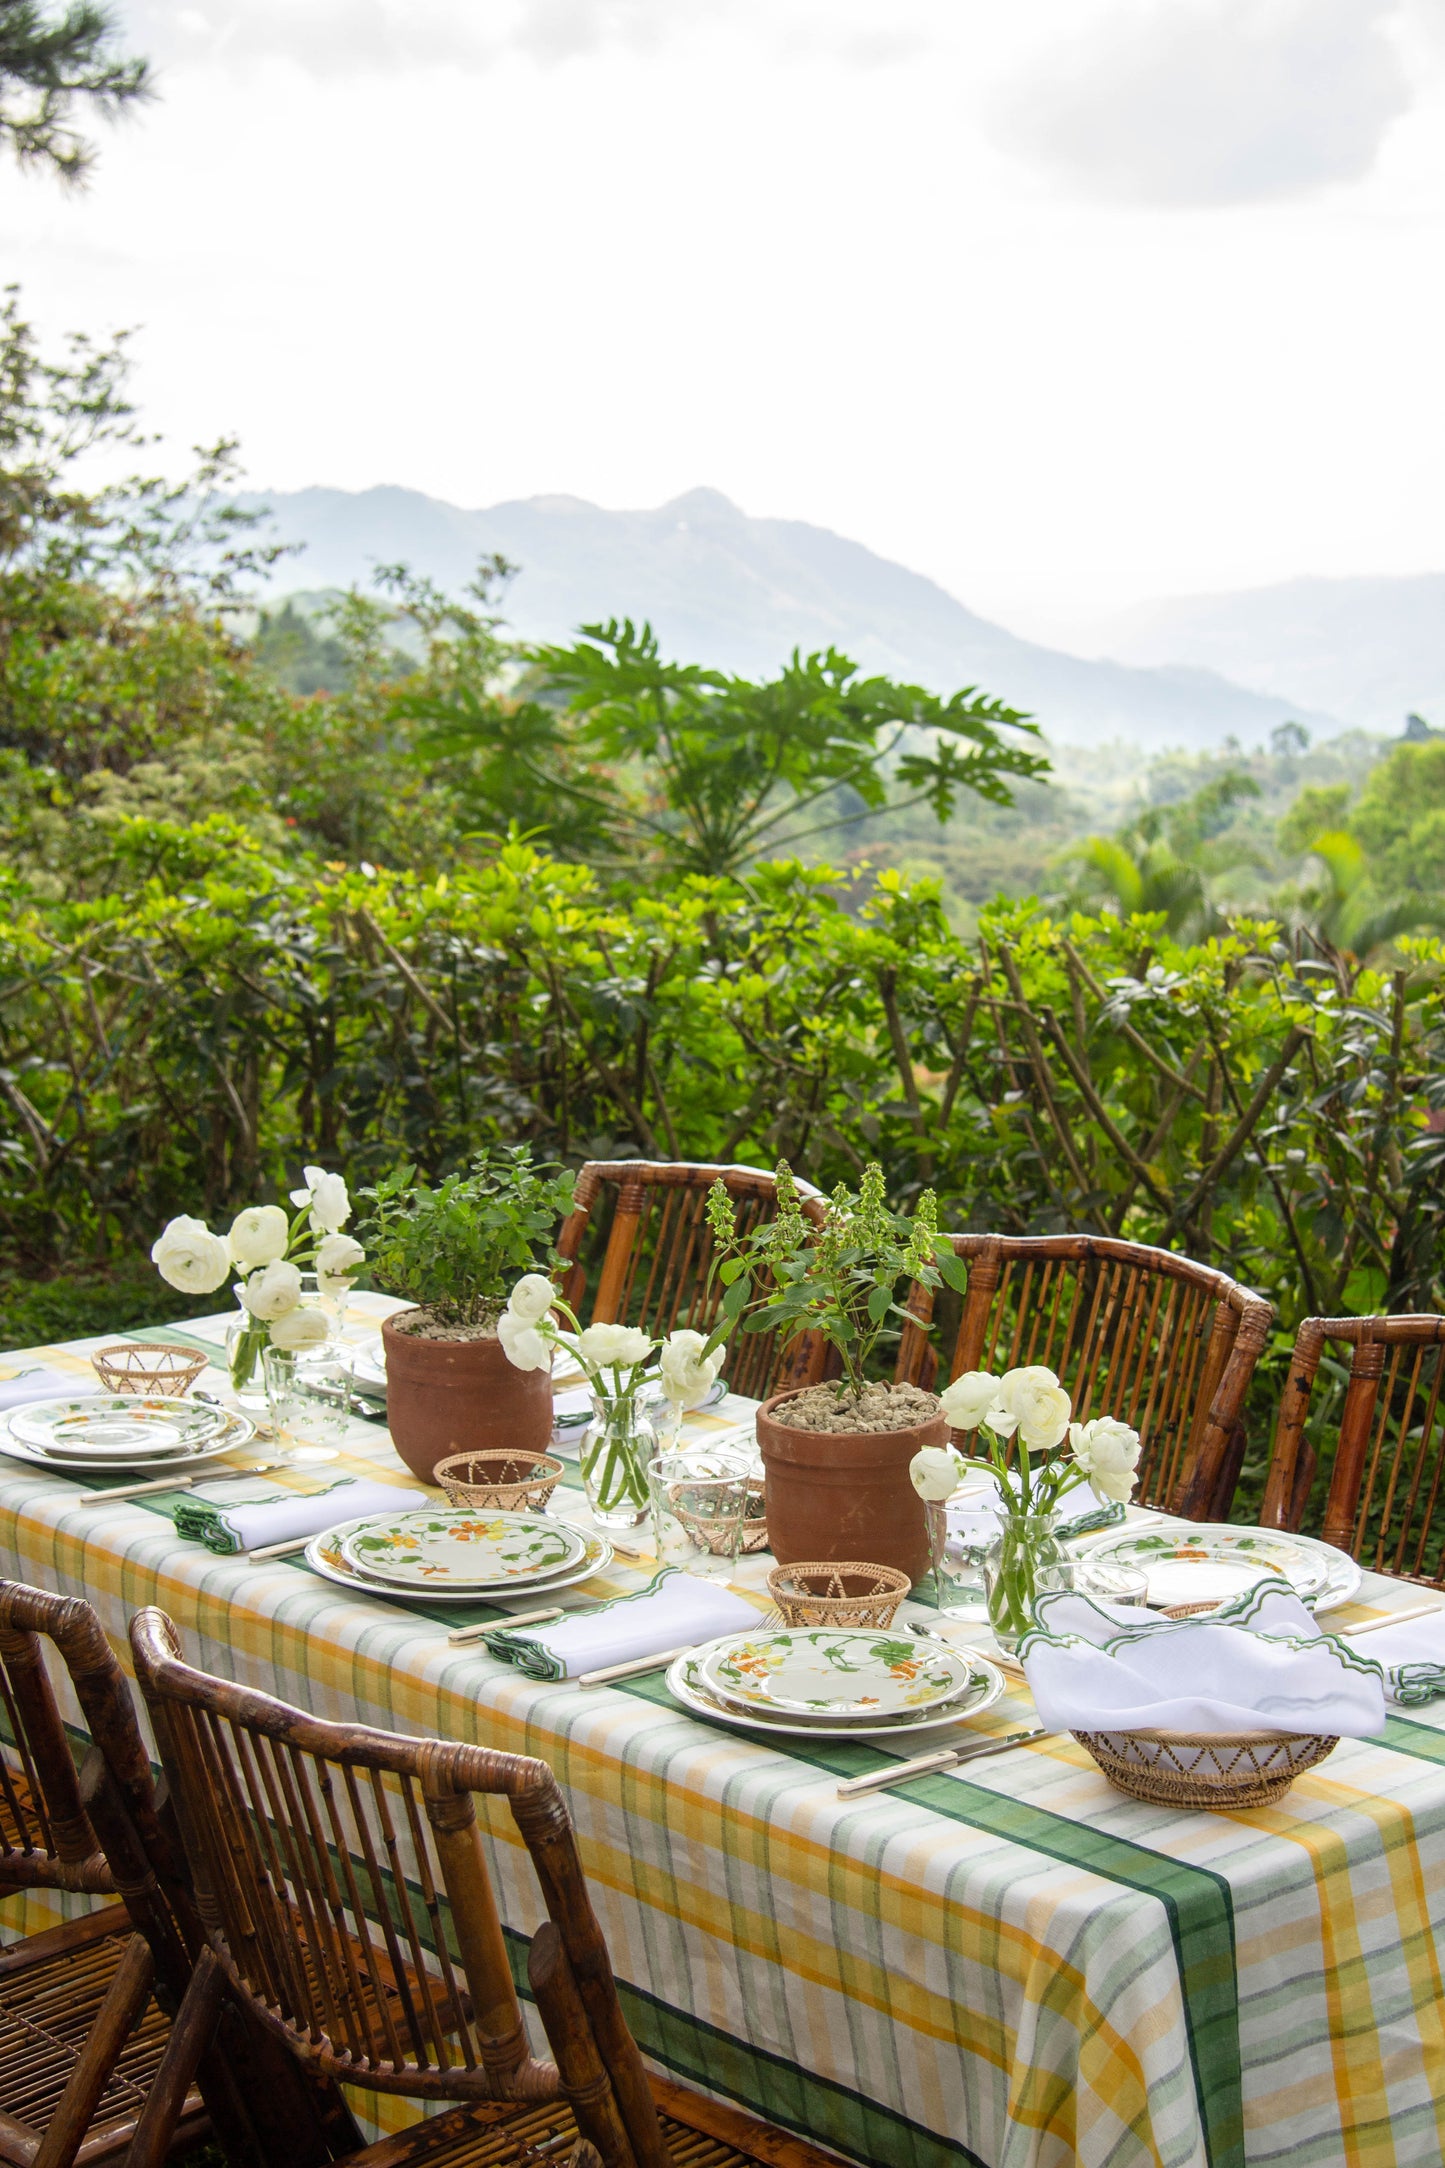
[741, 593]
[1371, 650]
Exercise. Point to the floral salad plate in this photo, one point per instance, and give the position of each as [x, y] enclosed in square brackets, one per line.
[465, 1548]
[836, 1672]
[690, 1689]
[1208, 1562]
[326, 1553]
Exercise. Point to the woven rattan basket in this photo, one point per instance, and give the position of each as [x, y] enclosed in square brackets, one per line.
[148, 1367]
[1201, 1769]
[505, 1481]
[755, 1519]
[845, 1592]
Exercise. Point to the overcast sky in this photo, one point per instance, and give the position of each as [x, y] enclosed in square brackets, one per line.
[1064, 302]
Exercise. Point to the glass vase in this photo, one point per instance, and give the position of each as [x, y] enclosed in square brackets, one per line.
[246, 1343]
[1025, 1543]
[616, 1447]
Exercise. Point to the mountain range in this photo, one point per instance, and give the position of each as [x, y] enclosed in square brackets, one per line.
[1368, 650]
[740, 594]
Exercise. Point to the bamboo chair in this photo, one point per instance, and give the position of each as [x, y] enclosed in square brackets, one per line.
[81, 2034]
[646, 1217]
[1154, 1339]
[1384, 1503]
[341, 1879]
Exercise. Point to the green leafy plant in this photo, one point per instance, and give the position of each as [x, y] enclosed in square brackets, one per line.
[455, 1249]
[710, 771]
[841, 1279]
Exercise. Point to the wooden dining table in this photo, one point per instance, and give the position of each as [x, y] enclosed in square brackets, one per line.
[1005, 1965]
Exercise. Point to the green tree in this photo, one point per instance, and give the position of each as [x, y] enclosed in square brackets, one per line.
[707, 772]
[50, 64]
[1400, 820]
[1162, 860]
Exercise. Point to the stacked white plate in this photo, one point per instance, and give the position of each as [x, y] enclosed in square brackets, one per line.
[835, 1682]
[462, 1555]
[100, 1431]
[1207, 1562]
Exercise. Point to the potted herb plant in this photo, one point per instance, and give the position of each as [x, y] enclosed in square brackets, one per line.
[454, 1250]
[836, 1456]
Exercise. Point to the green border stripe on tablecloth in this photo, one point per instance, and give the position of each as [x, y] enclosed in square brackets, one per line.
[1198, 1904]
[1422, 1741]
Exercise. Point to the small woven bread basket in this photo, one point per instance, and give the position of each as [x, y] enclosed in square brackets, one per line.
[503, 1480]
[1205, 1769]
[846, 1592]
[153, 1369]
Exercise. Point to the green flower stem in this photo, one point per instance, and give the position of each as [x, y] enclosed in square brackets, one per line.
[245, 1353]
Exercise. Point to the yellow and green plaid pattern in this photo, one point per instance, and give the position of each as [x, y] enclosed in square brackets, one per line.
[1011, 1965]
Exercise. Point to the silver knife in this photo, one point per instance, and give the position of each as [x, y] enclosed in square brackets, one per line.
[947, 1757]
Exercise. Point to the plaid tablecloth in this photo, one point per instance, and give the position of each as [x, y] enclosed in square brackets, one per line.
[1012, 1965]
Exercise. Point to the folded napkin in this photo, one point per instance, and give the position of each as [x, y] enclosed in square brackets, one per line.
[676, 1610]
[41, 1383]
[1412, 1657]
[1258, 1663]
[279, 1515]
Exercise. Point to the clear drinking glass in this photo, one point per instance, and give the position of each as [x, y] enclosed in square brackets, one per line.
[309, 1396]
[698, 1501]
[1101, 1578]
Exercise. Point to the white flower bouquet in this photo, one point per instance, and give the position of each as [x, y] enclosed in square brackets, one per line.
[1039, 1454]
[614, 1360]
[268, 1250]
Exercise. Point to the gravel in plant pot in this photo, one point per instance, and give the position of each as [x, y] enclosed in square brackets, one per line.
[453, 1251]
[836, 1456]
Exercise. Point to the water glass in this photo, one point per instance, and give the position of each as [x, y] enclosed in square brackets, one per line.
[309, 1394]
[1103, 1579]
[698, 1501]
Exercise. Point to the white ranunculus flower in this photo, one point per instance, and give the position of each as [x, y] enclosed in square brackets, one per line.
[969, 1400]
[935, 1471]
[531, 1298]
[337, 1258]
[327, 1196]
[1037, 1407]
[687, 1378]
[305, 1326]
[522, 1344]
[258, 1236]
[188, 1256]
[614, 1347]
[1108, 1452]
[271, 1292]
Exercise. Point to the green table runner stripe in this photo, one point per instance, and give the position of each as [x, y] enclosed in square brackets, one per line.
[1198, 1904]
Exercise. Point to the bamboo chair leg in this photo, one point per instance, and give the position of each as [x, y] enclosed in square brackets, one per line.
[191, 2035]
[585, 2082]
[125, 1999]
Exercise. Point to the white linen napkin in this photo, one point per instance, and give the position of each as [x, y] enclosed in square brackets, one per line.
[676, 1610]
[1413, 1657]
[1259, 1663]
[253, 1522]
[40, 1382]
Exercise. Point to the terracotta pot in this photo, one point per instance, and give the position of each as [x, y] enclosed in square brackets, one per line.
[459, 1396]
[845, 1493]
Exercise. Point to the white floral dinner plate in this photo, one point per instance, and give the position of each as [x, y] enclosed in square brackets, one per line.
[466, 1547]
[326, 1554]
[238, 1431]
[1210, 1561]
[104, 1423]
[686, 1685]
[832, 1672]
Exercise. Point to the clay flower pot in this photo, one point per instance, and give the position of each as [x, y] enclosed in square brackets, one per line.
[845, 1494]
[459, 1396]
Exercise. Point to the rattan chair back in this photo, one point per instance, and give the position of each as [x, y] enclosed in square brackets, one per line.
[1153, 1339]
[638, 1237]
[1384, 1501]
[342, 1882]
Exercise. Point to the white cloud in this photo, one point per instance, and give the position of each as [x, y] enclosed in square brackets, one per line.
[1188, 102]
